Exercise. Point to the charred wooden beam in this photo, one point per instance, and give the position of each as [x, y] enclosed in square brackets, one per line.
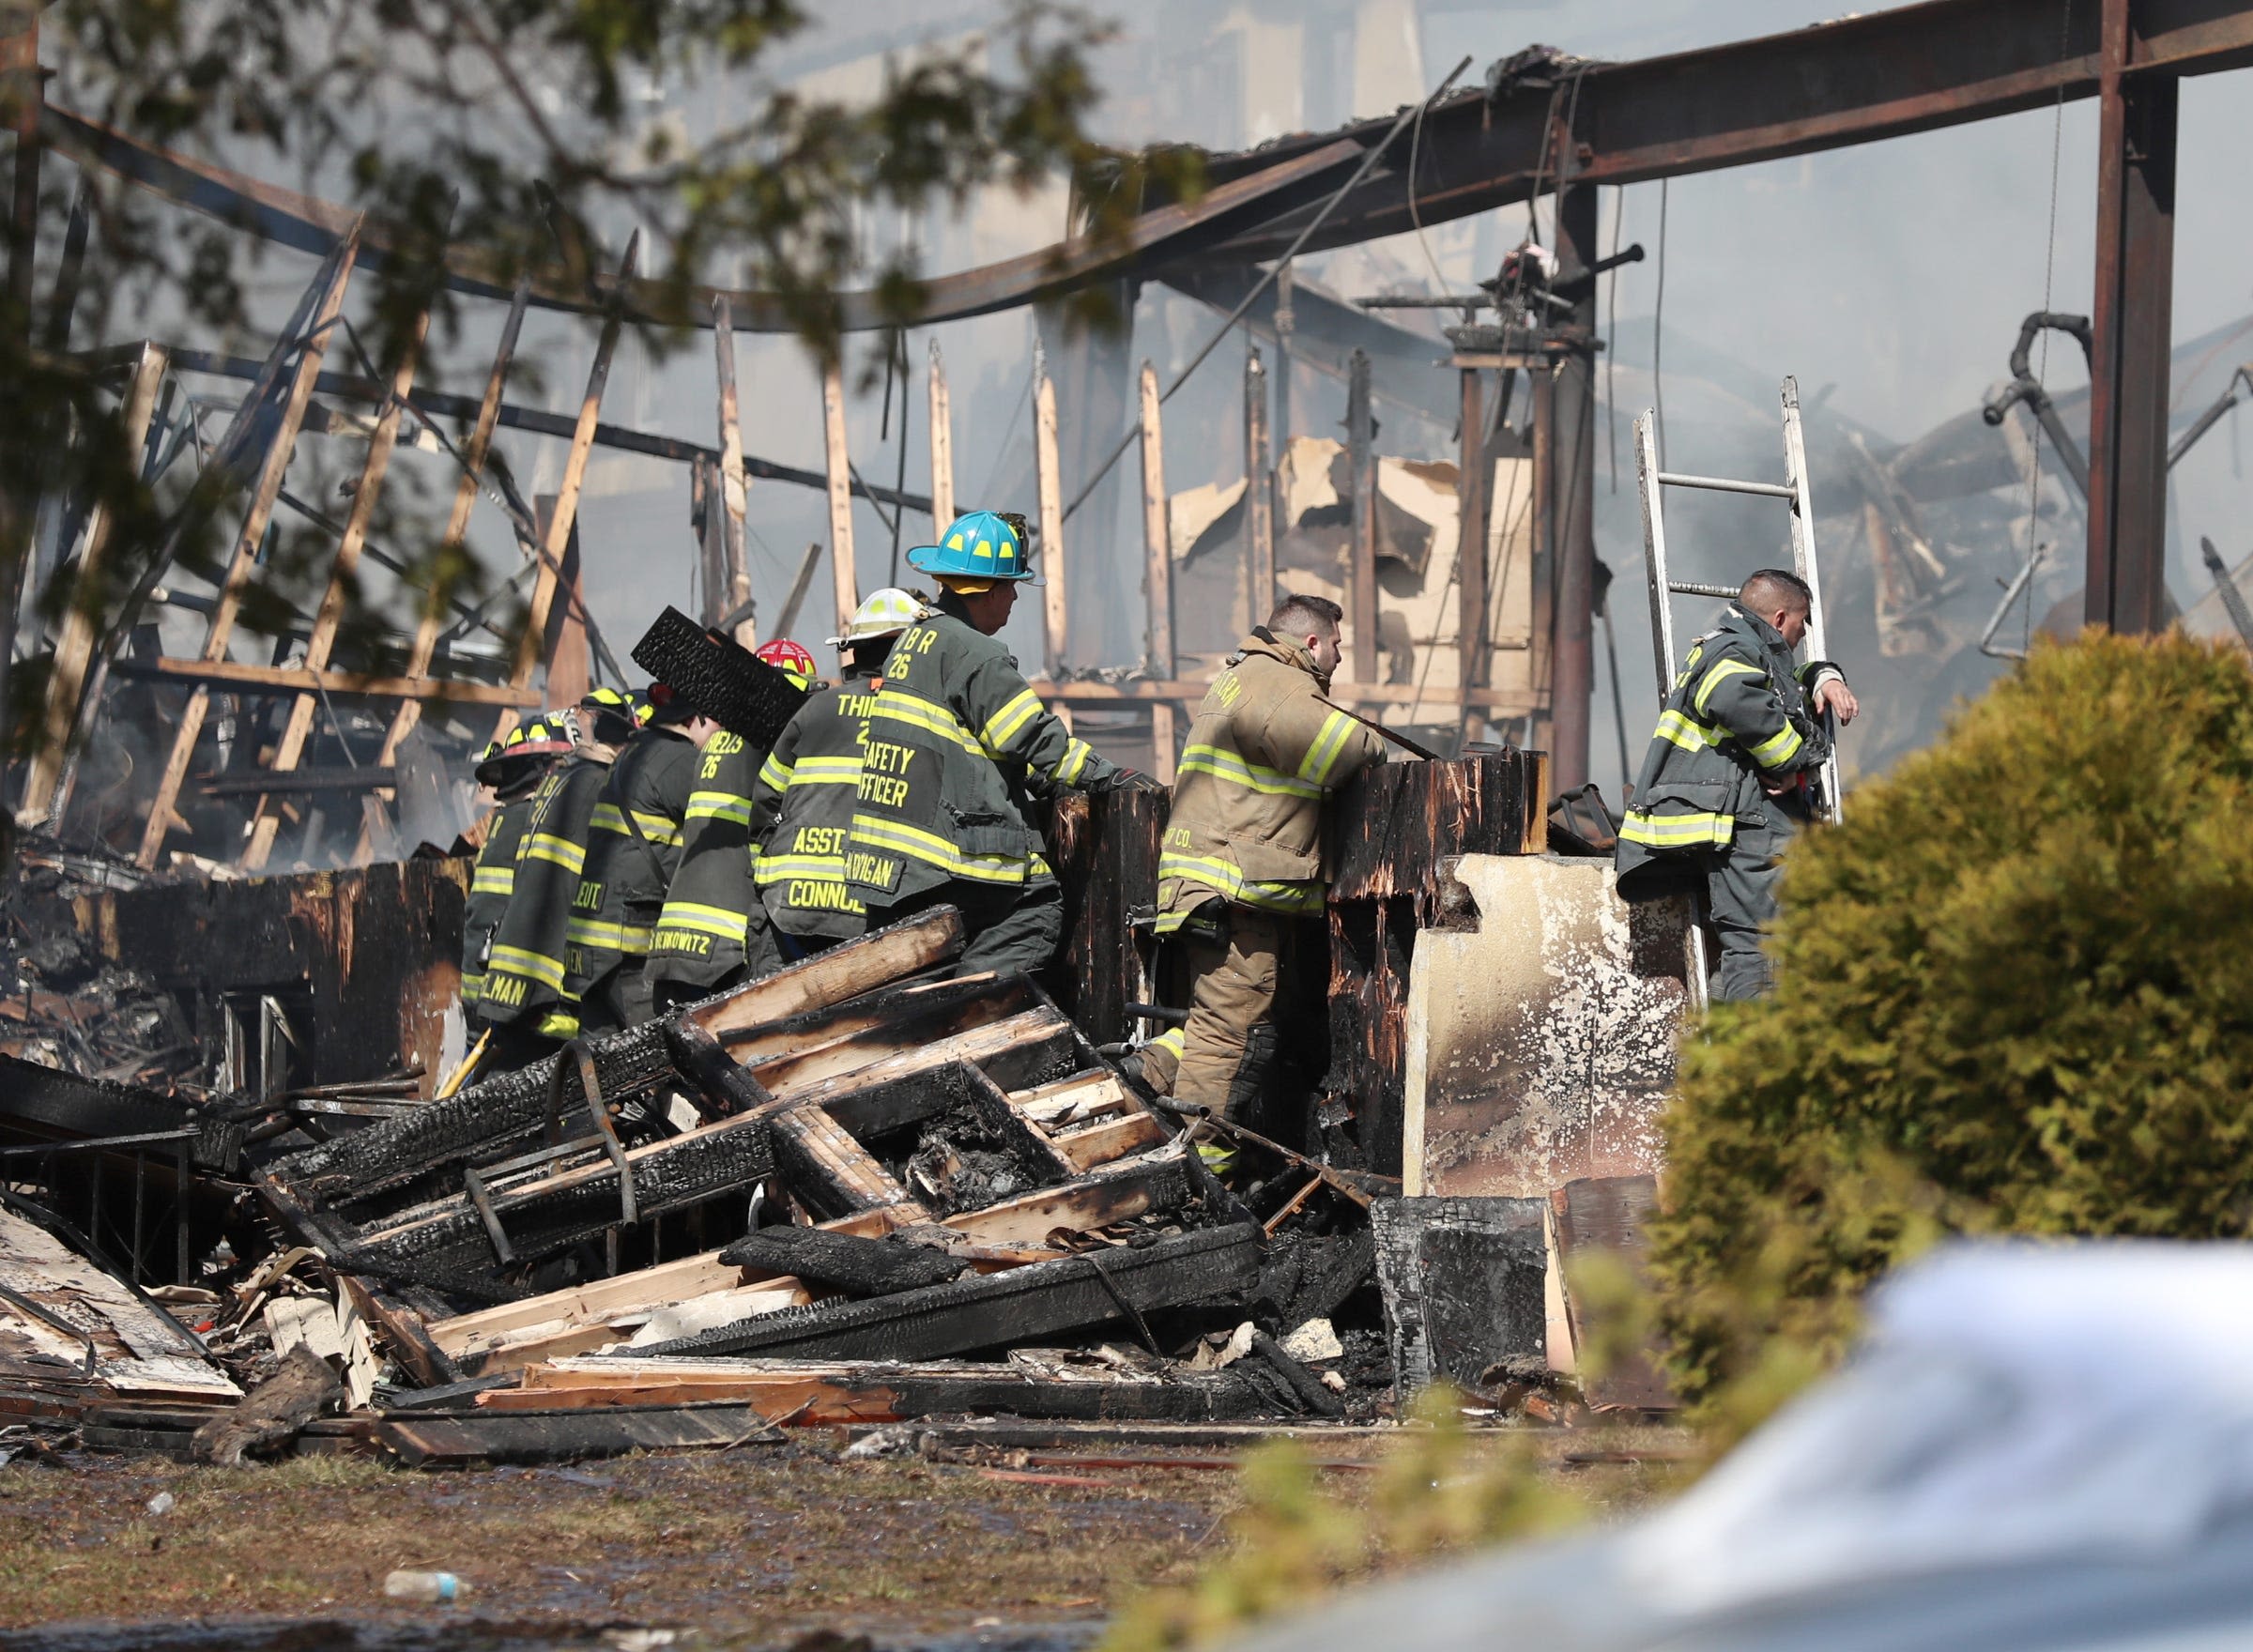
[843, 1261]
[1105, 851]
[1043, 1300]
[485, 1122]
[844, 1392]
[450, 1243]
[1396, 828]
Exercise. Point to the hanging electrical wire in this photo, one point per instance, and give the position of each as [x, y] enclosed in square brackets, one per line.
[2024, 581]
[1369, 162]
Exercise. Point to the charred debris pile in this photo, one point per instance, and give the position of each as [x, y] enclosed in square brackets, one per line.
[864, 1191]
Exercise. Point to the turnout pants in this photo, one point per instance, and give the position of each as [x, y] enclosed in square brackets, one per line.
[1006, 925]
[619, 997]
[1239, 964]
[1741, 905]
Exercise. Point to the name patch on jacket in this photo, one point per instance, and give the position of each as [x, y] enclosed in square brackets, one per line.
[876, 871]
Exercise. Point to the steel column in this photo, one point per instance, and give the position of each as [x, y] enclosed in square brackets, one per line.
[1361, 549]
[1573, 496]
[1473, 468]
[2133, 316]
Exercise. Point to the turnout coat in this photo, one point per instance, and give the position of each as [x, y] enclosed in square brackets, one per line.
[1737, 721]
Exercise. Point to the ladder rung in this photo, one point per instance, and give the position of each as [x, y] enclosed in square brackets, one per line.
[1690, 587]
[1722, 484]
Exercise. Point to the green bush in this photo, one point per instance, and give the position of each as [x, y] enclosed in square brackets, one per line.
[2016, 994]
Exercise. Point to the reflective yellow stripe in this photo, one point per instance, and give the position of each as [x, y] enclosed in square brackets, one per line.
[1780, 747]
[775, 868]
[774, 774]
[934, 850]
[1322, 755]
[656, 828]
[827, 771]
[559, 1024]
[905, 708]
[1676, 831]
[533, 966]
[1227, 766]
[473, 988]
[493, 880]
[545, 846]
[1678, 729]
[1009, 722]
[703, 920]
[718, 805]
[1074, 761]
[1721, 673]
[1291, 896]
[596, 935]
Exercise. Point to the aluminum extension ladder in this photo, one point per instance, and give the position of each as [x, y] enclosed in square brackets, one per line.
[1794, 491]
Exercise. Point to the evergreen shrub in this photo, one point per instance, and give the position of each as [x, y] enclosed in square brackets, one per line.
[2014, 994]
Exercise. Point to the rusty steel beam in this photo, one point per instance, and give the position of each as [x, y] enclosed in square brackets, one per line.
[310, 225]
[1883, 74]
[1879, 75]
[2133, 317]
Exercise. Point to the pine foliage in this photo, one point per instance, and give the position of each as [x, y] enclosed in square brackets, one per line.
[2016, 994]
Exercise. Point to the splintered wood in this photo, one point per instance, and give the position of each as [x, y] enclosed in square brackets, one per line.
[136, 1351]
[966, 1118]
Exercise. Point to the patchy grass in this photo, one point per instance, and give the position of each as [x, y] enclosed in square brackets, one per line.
[755, 1544]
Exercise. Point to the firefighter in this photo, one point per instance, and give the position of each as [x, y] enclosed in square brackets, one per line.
[713, 934]
[1239, 869]
[1724, 784]
[803, 807]
[633, 850]
[957, 748]
[511, 768]
[529, 999]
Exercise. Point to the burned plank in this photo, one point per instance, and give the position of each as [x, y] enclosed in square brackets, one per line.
[1044, 1299]
[842, 1262]
[844, 1392]
[828, 1171]
[1301, 1382]
[930, 1027]
[877, 959]
[437, 1439]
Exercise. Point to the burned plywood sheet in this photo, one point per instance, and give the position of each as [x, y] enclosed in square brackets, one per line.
[1465, 1285]
[1395, 833]
[365, 963]
[1541, 1042]
[73, 1334]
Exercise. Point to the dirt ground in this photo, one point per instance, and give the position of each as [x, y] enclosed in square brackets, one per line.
[760, 1546]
